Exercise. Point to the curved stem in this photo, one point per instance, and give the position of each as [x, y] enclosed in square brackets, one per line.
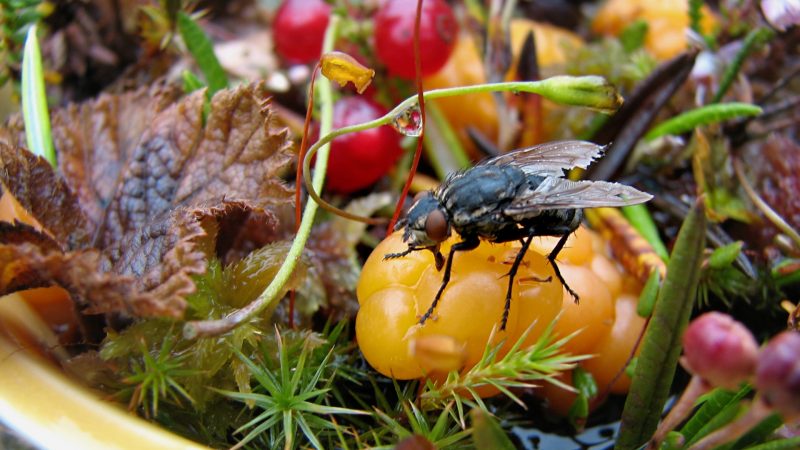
[762, 206]
[272, 293]
[588, 91]
[591, 91]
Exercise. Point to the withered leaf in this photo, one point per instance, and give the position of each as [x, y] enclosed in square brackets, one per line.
[238, 154]
[45, 195]
[158, 184]
[95, 139]
[20, 232]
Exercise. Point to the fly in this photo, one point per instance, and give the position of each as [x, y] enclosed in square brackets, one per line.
[512, 197]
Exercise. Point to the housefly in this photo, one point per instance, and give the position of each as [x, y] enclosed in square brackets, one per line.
[512, 197]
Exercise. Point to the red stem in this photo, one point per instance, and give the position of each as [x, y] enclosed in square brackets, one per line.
[421, 101]
[298, 181]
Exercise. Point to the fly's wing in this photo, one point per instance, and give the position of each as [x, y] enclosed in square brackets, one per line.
[550, 159]
[560, 193]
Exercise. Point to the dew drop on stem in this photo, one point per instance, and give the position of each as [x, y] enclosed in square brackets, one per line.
[408, 121]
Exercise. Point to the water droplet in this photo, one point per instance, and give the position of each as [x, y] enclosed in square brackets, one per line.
[408, 121]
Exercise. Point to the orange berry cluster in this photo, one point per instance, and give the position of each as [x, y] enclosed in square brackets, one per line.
[393, 294]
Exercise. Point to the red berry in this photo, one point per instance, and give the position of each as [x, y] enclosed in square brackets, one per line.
[358, 160]
[299, 28]
[719, 350]
[394, 36]
[778, 374]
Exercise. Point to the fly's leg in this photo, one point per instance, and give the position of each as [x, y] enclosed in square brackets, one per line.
[437, 255]
[552, 258]
[465, 245]
[400, 254]
[512, 273]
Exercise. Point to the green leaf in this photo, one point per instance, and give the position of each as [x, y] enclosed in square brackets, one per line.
[725, 256]
[632, 37]
[725, 416]
[190, 82]
[487, 433]
[34, 101]
[711, 404]
[754, 39]
[578, 412]
[203, 52]
[649, 294]
[584, 382]
[662, 342]
[640, 218]
[704, 115]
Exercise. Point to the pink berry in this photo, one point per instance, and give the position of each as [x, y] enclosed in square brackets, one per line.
[394, 36]
[358, 160]
[299, 28]
[778, 374]
[719, 350]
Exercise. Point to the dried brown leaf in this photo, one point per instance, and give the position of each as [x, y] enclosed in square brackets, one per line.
[179, 187]
[95, 139]
[45, 195]
[238, 154]
[20, 232]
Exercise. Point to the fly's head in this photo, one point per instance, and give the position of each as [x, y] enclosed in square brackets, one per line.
[426, 225]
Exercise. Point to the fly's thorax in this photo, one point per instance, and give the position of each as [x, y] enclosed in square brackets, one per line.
[480, 189]
[427, 223]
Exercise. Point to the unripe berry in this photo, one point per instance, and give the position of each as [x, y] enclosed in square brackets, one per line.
[778, 374]
[720, 350]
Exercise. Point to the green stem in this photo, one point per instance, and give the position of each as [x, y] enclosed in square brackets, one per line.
[590, 91]
[276, 288]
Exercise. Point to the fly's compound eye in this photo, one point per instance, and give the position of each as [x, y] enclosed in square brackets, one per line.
[436, 226]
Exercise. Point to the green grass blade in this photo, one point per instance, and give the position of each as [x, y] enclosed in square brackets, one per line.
[640, 218]
[722, 418]
[34, 101]
[202, 50]
[705, 115]
[309, 433]
[754, 39]
[442, 146]
[662, 342]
